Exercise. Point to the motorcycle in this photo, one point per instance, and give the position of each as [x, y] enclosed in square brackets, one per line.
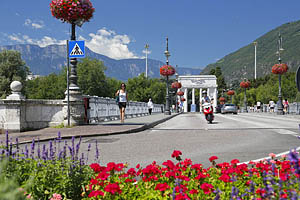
[208, 112]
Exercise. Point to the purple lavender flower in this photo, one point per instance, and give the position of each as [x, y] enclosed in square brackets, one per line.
[32, 149]
[26, 151]
[97, 152]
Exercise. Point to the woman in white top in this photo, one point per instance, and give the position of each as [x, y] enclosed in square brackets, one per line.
[123, 98]
[150, 106]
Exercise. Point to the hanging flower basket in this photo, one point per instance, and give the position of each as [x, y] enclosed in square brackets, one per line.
[176, 85]
[180, 93]
[222, 99]
[182, 99]
[280, 68]
[72, 10]
[167, 70]
[230, 92]
[245, 84]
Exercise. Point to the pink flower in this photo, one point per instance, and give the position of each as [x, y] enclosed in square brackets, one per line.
[56, 197]
[272, 155]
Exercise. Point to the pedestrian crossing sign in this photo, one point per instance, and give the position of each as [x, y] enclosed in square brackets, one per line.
[76, 49]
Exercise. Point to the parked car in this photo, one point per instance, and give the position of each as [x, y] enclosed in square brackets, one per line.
[229, 108]
[218, 108]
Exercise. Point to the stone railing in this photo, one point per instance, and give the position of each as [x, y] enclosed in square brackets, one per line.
[20, 114]
[294, 108]
[106, 109]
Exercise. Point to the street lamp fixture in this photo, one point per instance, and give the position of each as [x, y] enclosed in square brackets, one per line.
[146, 52]
[167, 70]
[279, 104]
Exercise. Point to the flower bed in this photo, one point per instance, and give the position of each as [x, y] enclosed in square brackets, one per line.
[59, 172]
[268, 179]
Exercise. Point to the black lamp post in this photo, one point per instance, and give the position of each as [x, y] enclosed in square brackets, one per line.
[279, 104]
[73, 75]
[176, 96]
[167, 110]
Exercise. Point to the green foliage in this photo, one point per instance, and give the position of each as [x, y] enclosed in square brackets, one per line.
[52, 86]
[240, 64]
[91, 80]
[220, 79]
[9, 188]
[12, 68]
[266, 89]
[46, 177]
[141, 89]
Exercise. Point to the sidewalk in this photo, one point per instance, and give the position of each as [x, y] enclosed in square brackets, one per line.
[131, 125]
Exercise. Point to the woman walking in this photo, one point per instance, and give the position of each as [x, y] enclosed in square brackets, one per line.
[123, 98]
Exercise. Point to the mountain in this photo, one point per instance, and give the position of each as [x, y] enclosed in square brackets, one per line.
[52, 58]
[240, 64]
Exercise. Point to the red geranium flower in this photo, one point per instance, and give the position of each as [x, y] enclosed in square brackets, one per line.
[235, 161]
[72, 10]
[213, 158]
[113, 188]
[194, 191]
[207, 188]
[96, 167]
[167, 70]
[225, 178]
[176, 154]
[162, 186]
[95, 194]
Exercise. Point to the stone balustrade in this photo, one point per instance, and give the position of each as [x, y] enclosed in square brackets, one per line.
[106, 109]
[20, 114]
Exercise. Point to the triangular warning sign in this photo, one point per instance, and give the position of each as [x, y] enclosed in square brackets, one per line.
[76, 50]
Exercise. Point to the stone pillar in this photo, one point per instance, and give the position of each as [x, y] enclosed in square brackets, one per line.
[14, 109]
[215, 98]
[200, 99]
[185, 104]
[77, 111]
[193, 96]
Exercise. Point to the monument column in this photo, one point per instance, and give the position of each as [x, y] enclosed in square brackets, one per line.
[185, 104]
[193, 96]
[200, 99]
[215, 98]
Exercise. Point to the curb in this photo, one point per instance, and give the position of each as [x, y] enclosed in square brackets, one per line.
[135, 130]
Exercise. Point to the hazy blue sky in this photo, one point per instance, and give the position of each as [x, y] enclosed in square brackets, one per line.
[199, 31]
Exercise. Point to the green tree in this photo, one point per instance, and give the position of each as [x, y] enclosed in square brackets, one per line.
[91, 78]
[52, 86]
[141, 89]
[12, 68]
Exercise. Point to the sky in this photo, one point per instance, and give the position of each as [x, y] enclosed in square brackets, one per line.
[200, 31]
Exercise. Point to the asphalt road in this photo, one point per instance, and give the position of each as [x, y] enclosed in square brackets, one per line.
[244, 136]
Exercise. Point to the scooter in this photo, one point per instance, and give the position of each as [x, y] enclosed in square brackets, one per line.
[208, 112]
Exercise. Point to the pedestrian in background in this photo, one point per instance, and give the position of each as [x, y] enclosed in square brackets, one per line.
[150, 106]
[272, 105]
[286, 106]
[123, 98]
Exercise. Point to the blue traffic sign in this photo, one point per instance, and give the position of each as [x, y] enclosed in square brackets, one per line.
[76, 49]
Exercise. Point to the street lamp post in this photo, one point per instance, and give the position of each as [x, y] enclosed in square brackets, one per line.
[255, 45]
[279, 104]
[167, 54]
[146, 52]
[176, 97]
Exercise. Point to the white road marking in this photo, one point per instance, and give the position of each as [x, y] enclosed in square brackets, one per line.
[266, 158]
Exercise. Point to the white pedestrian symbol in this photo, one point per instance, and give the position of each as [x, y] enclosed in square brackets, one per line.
[76, 50]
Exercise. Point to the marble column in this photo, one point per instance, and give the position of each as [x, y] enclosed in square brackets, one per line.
[200, 99]
[185, 104]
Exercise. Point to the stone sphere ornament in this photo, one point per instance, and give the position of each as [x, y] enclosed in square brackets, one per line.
[16, 86]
